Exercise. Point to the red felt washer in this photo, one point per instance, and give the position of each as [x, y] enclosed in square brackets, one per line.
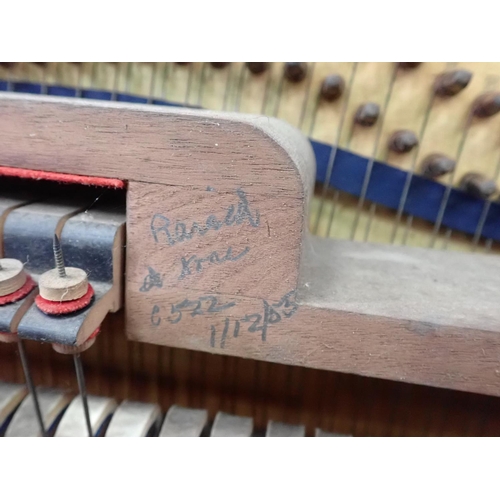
[95, 334]
[38, 175]
[19, 294]
[59, 308]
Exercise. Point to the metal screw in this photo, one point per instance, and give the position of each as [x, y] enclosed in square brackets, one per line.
[58, 257]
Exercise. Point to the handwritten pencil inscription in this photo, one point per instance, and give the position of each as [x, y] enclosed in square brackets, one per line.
[164, 230]
[195, 263]
[190, 265]
[207, 304]
[257, 322]
[152, 280]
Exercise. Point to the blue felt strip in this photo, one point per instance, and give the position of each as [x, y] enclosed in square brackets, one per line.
[385, 187]
[425, 196]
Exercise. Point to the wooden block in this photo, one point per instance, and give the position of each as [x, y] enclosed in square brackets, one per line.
[219, 259]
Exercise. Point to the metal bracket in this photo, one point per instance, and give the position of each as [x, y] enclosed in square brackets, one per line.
[94, 241]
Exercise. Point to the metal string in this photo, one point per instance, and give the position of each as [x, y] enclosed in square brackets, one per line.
[93, 74]
[409, 219]
[449, 186]
[202, 82]
[189, 83]
[306, 97]
[164, 80]
[333, 153]
[43, 86]
[408, 225]
[116, 82]
[83, 392]
[59, 71]
[227, 87]
[409, 175]
[312, 126]
[371, 215]
[31, 386]
[350, 136]
[484, 214]
[239, 89]
[369, 168]
[130, 68]
[10, 79]
[280, 91]
[153, 83]
[267, 91]
[78, 89]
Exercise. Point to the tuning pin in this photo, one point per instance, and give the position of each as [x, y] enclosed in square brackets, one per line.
[409, 65]
[219, 65]
[451, 83]
[486, 105]
[367, 114]
[257, 68]
[403, 141]
[478, 185]
[295, 72]
[332, 87]
[437, 165]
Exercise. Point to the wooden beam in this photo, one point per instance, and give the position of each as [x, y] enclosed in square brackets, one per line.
[219, 259]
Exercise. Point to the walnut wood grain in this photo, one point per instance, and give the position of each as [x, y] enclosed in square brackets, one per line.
[235, 192]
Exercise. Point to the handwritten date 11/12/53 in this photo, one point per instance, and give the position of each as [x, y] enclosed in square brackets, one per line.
[258, 322]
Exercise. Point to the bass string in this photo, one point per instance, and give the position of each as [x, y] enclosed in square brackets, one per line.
[306, 96]
[449, 185]
[333, 153]
[371, 161]
[484, 213]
